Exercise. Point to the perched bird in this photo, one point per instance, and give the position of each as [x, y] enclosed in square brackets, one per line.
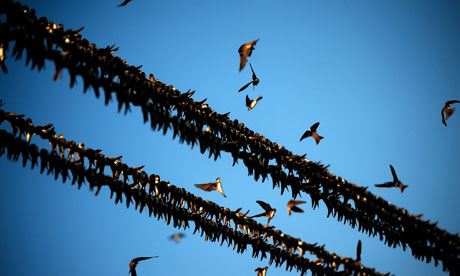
[245, 51]
[291, 206]
[212, 186]
[358, 252]
[251, 103]
[394, 183]
[448, 111]
[255, 80]
[133, 264]
[312, 132]
[269, 211]
[177, 236]
[261, 271]
[124, 3]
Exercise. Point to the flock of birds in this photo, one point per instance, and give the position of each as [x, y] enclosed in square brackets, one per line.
[245, 51]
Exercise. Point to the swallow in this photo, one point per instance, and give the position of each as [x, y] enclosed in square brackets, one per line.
[394, 183]
[245, 51]
[212, 186]
[269, 211]
[251, 103]
[448, 111]
[291, 206]
[177, 236]
[358, 251]
[261, 271]
[133, 264]
[312, 132]
[124, 3]
[255, 81]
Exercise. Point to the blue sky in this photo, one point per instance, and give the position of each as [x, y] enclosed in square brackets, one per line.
[375, 74]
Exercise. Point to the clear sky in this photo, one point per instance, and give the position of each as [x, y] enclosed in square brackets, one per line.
[375, 74]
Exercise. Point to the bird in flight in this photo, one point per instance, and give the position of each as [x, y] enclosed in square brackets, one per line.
[358, 251]
[394, 183]
[261, 271]
[269, 211]
[251, 103]
[124, 3]
[133, 264]
[292, 206]
[212, 186]
[447, 111]
[177, 236]
[255, 80]
[245, 51]
[312, 132]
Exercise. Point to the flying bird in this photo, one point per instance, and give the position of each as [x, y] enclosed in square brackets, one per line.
[292, 206]
[312, 132]
[269, 211]
[124, 3]
[358, 251]
[261, 271]
[177, 236]
[133, 264]
[447, 111]
[394, 183]
[245, 51]
[255, 80]
[251, 103]
[212, 186]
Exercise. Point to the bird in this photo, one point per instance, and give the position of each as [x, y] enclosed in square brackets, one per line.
[212, 186]
[394, 183]
[358, 251]
[291, 206]
[251, 103]
[269, 211]
[133, 264]
[177, 236]
[447, 111]
[245, 51]
[124, 3]
[255, 81]
[261, 271]
[312, 132]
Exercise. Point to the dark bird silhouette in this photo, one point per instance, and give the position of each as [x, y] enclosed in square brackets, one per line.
[212, 186]
[312, 132]
[124, 3]
[447, 111]
[133, 264]
[394, 183]
[269, 211]
[255, 80]
[252, 103]
[245, 51]
[177, 236]
[261, 271]
[358, 251]
[292, 206]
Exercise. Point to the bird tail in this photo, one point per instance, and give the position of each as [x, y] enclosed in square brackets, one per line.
[317, 138]
[403, 187]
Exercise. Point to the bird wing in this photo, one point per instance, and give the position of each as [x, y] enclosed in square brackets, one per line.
[248, 101]
[384, 185]
[314, 126]
[442, 114]
[245, 86]
[124, 3]
[296, 209]
[264, 205]
[243, 60]
[254, 77]
[393, 172]
[452, 102]
[305, 135]
[206, 186]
